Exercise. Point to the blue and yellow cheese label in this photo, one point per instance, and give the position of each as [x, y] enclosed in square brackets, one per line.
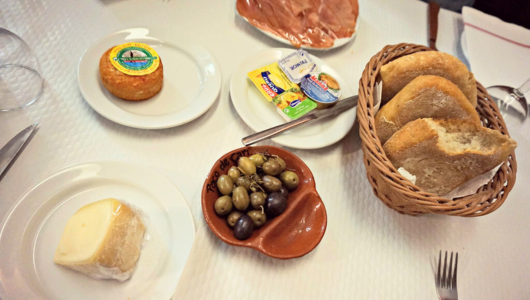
[321, 87]
[134, 59]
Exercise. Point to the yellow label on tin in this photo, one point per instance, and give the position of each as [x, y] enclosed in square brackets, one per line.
[135, 59]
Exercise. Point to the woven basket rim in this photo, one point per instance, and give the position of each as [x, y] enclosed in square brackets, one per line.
[368, 133]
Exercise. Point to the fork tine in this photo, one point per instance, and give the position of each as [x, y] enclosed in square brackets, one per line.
[439, 264]
[454, 276]
[445, 269]
[449, 282]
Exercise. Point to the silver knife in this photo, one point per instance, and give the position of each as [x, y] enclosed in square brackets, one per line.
[342, 106]
[12, 149]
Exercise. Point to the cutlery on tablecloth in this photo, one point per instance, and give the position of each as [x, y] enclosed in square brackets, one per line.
[342, 106]
[446, 281]
[14, 147]
[434, 9]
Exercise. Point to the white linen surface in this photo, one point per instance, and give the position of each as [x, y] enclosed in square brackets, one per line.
[368, 252]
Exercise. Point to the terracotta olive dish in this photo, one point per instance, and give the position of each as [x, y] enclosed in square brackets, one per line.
[295, 232]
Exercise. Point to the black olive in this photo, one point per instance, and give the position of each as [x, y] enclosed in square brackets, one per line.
[243, 228]
[275, 205]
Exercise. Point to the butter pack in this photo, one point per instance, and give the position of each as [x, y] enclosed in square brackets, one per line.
[277, 88]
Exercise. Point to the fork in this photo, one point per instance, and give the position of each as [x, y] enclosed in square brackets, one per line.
[446, 285]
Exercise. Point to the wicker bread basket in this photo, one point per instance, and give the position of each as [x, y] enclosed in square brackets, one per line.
[399, 193]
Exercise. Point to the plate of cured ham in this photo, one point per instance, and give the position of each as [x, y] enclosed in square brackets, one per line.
[316, 25]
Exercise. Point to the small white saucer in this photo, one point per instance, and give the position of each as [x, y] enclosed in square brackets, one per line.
[259, 114]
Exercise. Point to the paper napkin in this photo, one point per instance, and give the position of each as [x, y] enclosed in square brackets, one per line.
[499, 52]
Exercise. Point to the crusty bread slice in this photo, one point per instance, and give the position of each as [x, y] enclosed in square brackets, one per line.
[398, 73]
[443, 154]
[427, 96]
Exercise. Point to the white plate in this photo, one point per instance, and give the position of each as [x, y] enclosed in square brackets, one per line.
[31, 232]
[259, 114]
[336, 44]
[192, 80]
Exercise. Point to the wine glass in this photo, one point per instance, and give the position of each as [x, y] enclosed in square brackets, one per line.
[511, 102]
[21, 82]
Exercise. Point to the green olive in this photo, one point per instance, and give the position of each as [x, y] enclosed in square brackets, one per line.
[271, 183]
[258, 160]
[234, 173]
[225, 184]
[246, 166]
[282, 163]
[272, 167]
[223, 205]
[258, 217]
[240, 198]
[244, 182]
[289, 179]
[257, 200]
[233, 217]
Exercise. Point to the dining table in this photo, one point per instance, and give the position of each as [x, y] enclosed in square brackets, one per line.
[368, 251]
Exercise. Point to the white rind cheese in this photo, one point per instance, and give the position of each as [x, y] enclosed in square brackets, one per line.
[103, 240]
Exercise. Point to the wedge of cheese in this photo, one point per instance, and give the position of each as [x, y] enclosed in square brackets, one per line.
[103, 240]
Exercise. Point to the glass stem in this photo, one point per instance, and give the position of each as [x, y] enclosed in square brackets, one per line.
[523, 89]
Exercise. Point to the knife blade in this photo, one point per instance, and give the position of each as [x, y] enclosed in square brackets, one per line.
[342, 106]
[12, 149]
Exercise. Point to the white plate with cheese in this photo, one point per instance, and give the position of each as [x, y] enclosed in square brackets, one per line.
[259, 114]
[192, 81]
[30, 233]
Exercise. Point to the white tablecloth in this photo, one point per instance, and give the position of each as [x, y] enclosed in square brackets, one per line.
[368, 251]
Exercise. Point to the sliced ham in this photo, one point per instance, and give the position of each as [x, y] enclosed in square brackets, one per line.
[313, 23]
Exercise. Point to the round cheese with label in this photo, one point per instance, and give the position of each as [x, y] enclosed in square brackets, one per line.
[132, 71]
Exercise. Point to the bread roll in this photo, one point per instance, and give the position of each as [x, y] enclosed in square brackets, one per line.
[398, 73]
[129, 87]
[443, 154]
[425, 96]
